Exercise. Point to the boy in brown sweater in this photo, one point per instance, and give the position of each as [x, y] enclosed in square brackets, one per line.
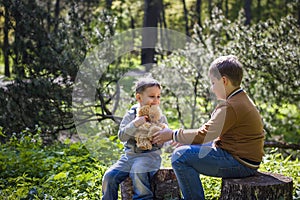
[229, 145]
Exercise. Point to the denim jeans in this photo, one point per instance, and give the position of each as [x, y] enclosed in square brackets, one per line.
[190, 161]
[139, 167]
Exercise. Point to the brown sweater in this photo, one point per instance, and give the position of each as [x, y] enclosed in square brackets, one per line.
[236, 126]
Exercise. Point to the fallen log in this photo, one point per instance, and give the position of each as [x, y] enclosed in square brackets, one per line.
[282, 145]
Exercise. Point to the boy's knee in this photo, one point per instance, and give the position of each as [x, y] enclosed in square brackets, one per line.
[106, 177]
[109, 176]
[178, 153]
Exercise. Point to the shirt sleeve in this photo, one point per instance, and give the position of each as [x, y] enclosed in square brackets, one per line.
[221, 120]
[127, 129]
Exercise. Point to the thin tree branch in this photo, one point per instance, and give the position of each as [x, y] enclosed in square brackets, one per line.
[282, 145]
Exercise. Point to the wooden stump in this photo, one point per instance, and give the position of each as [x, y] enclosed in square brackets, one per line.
[262, 186]
[164, 186]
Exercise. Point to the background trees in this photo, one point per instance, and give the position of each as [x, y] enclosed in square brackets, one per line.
[44, 43]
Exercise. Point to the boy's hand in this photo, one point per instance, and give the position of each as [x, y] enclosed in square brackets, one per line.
[175, 144]
[140, 121]
[162, 136]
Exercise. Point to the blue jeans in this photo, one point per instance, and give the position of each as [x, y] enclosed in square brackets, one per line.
[139, 167]
[191, 160]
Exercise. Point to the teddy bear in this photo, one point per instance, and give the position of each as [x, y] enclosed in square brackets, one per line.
[145, 132]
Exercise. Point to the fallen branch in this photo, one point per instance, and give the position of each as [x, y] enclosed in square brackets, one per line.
[282, 145]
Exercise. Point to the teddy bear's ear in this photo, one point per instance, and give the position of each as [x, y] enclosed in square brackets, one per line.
[143, 111]
[154, 113]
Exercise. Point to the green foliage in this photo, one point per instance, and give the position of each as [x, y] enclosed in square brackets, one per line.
[35, 102]
[45, 61]
[51, 44]
[48, 50]
[30, 170]
[269, 51]
[276, 163]
[61, 171]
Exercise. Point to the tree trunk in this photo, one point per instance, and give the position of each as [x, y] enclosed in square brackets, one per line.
[247, 8]
[198, 12]
[299, 13]
[163, 16]
[164, 185]
[56, 14]
[108, 4]
[49, 16]
[132, 26]
[18, 50]
[220, 4]
[5, 42]
[226, 9]
[149, 40]
[186, 19]
[165, 41]
[210, 7]
[258, 10]
[260, 186]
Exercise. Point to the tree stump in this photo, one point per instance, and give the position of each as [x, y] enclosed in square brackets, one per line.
[164, 186]
[263, 185]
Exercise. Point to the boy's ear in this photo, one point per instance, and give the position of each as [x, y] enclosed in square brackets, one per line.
[225, 80]
[138, 97]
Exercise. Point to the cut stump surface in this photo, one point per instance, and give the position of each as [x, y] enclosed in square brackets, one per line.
[261, 186]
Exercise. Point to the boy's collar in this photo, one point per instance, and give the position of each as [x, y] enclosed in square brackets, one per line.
[234, 92]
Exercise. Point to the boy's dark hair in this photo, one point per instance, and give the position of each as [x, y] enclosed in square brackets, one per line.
[144, 83]
[228, 66]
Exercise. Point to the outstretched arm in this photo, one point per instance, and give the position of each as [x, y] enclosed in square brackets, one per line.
[163, 136]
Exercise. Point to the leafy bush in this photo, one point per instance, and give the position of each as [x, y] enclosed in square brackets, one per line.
[269, 52]
[45, 55]
[30, 170]
[277, 163]
[60, 171]
[26, 104]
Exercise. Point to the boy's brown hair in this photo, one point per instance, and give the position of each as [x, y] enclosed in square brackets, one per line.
[227, 66]
[144, 83]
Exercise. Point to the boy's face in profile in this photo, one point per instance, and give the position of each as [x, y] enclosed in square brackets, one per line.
[217, 87]
[151, 96]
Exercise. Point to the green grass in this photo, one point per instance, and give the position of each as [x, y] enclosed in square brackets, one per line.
[28, 169]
